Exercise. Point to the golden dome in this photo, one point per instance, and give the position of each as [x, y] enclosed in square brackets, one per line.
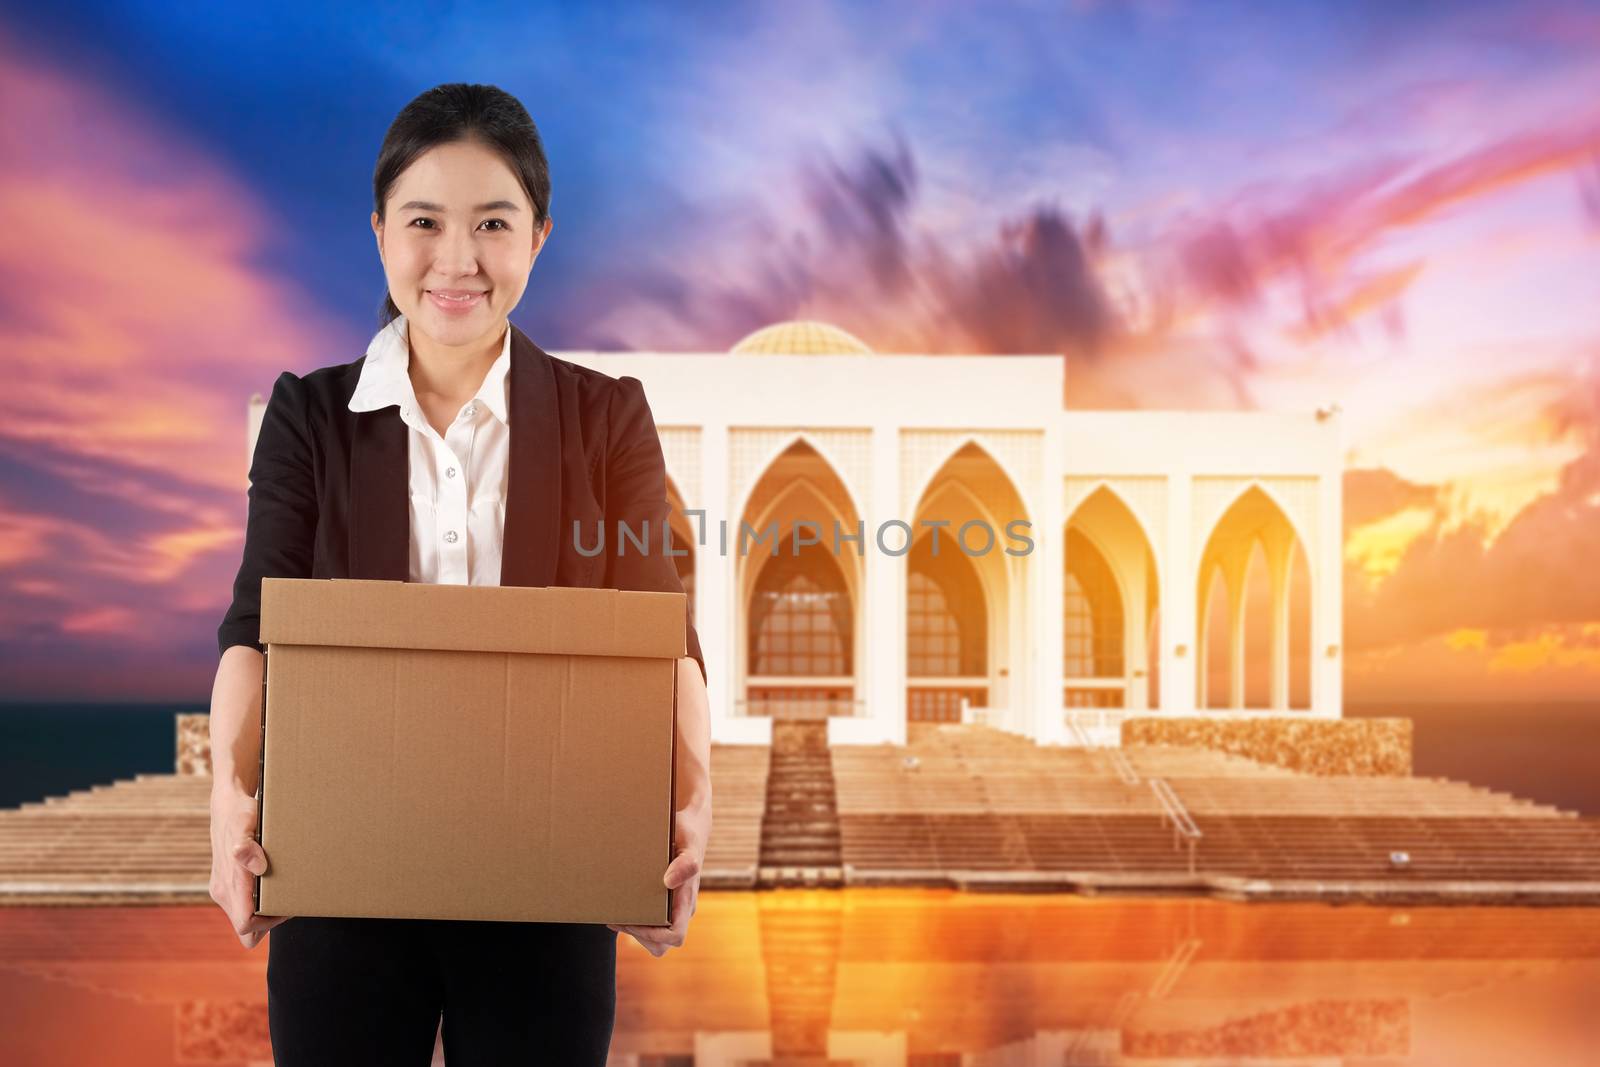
[801, 337]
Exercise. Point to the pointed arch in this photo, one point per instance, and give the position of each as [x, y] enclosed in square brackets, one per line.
[1095, 610]
[973, 440]
[796, 610]
[970, 484]
[1255, 523]
[1104, 485]
[802, 437]
[805, 486]
[1257, 485]
[1105, 526]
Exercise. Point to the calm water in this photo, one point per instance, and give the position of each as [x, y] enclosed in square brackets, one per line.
[1544, 752]
[51, 749]
[862, 978]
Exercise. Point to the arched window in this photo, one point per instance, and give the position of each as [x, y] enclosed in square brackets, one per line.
[1092, 624]
[946, 624]
[800, 617]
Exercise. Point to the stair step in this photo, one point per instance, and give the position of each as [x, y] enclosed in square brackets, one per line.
[800, 874]
[800, 839]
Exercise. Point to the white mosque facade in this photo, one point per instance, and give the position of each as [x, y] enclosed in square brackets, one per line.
[883, 539]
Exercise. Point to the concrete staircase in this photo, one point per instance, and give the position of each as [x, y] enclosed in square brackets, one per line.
[969, 807]
[800, 827]
[962, 806]
[147, 839]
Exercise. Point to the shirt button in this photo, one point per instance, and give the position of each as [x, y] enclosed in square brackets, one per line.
[450, 472]
[472, 409]
[450, 537]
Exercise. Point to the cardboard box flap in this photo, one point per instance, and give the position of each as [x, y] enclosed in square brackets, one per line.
[554, 620]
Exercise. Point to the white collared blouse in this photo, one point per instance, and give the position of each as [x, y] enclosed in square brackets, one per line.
[458, 481]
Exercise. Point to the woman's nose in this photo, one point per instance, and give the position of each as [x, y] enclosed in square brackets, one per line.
[456, 255]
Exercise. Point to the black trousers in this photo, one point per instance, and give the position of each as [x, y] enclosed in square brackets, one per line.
[349, 992]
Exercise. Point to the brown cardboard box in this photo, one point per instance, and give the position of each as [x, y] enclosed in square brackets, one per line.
[468, 752]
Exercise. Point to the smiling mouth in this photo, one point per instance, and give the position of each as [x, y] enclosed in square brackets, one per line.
[457, 296]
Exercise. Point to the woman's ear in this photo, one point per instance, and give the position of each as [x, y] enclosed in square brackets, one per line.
[377, 233]
[542, 236]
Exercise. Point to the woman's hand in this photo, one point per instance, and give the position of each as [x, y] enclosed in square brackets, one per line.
[236, 859]
[692, 828]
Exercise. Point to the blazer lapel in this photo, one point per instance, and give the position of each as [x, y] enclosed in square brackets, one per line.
[532, 536]
[380, 505]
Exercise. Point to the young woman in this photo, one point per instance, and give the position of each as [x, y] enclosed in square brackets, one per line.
[454, 450]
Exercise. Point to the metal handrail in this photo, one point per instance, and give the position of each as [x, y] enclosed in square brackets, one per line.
[1112, 753]
[1079, 734]
[1125, 771]
[1183, 825]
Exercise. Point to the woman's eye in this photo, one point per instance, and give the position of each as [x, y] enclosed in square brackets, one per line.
[427, 223]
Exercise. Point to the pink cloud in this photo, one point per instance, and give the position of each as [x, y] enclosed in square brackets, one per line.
[107, 621]
[1313, 240]
[140, 325]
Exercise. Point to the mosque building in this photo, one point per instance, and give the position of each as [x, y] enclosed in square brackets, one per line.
[885, 539]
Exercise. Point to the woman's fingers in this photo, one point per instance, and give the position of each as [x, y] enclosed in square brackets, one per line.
[683, 867]
[646, 936]
[256, 929]
[251, 856]
[249, 860]
[682, 876]
[657, 939]
[237, 859]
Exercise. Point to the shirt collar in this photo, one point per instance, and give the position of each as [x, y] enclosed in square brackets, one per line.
[385, 379]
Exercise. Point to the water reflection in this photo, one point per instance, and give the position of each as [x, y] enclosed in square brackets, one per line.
[870, 977]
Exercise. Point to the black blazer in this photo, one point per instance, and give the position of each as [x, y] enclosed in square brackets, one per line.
[330, 487]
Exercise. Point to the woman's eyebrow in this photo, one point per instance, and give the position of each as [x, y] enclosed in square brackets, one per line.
[425, 205]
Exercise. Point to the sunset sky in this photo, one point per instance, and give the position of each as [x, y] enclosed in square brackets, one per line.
[1395, 207]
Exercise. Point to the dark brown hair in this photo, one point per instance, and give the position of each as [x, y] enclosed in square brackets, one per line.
[459, 112]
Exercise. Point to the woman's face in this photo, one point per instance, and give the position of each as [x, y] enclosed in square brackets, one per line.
[458, 240]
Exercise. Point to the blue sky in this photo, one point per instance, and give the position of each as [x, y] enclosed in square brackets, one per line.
[658, 119]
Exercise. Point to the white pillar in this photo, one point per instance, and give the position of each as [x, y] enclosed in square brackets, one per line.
[715, 595]
[1280, 565]
[1327, 574]
[1236, 570]
[1180, 674]
[1048, 725]
[1202, 636]
[883, 673]
[1135, 631]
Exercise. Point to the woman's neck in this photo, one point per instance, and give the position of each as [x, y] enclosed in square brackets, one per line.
[452, 372]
